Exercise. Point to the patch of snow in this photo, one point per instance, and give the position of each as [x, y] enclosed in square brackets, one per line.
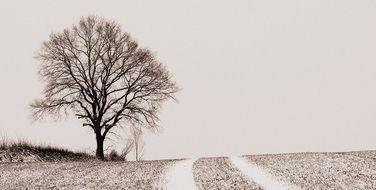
[180, 176]
[260, 176]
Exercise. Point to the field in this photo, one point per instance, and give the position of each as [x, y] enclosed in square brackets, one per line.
[348, 170]
[82, 175]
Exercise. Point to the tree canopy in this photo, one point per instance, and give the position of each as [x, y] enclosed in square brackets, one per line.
[98, 72]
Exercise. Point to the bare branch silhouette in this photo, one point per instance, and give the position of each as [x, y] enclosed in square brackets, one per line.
[139, 144]
[99, 73]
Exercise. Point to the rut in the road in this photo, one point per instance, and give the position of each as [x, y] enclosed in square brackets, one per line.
[179, 176]
[261, 177]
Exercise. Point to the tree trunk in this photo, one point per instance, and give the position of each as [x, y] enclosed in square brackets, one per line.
[99, 153]
[136, 151]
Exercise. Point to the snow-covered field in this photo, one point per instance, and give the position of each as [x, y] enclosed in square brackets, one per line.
[82, 175]
[350, 170]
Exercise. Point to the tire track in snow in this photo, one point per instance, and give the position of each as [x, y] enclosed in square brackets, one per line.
[261, 177]
[180, 176]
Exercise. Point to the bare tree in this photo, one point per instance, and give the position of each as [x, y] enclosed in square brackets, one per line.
[99, 73]
[139, 144]
[140, 151]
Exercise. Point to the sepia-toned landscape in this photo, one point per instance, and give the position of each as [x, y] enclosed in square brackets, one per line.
[188, 95]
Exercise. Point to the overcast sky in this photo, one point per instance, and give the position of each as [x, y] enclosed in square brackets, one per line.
[256, 76]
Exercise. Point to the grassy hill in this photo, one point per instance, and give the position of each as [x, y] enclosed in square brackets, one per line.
[24, 151]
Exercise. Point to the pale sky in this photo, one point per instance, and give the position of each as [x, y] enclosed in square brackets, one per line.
[256, 76]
